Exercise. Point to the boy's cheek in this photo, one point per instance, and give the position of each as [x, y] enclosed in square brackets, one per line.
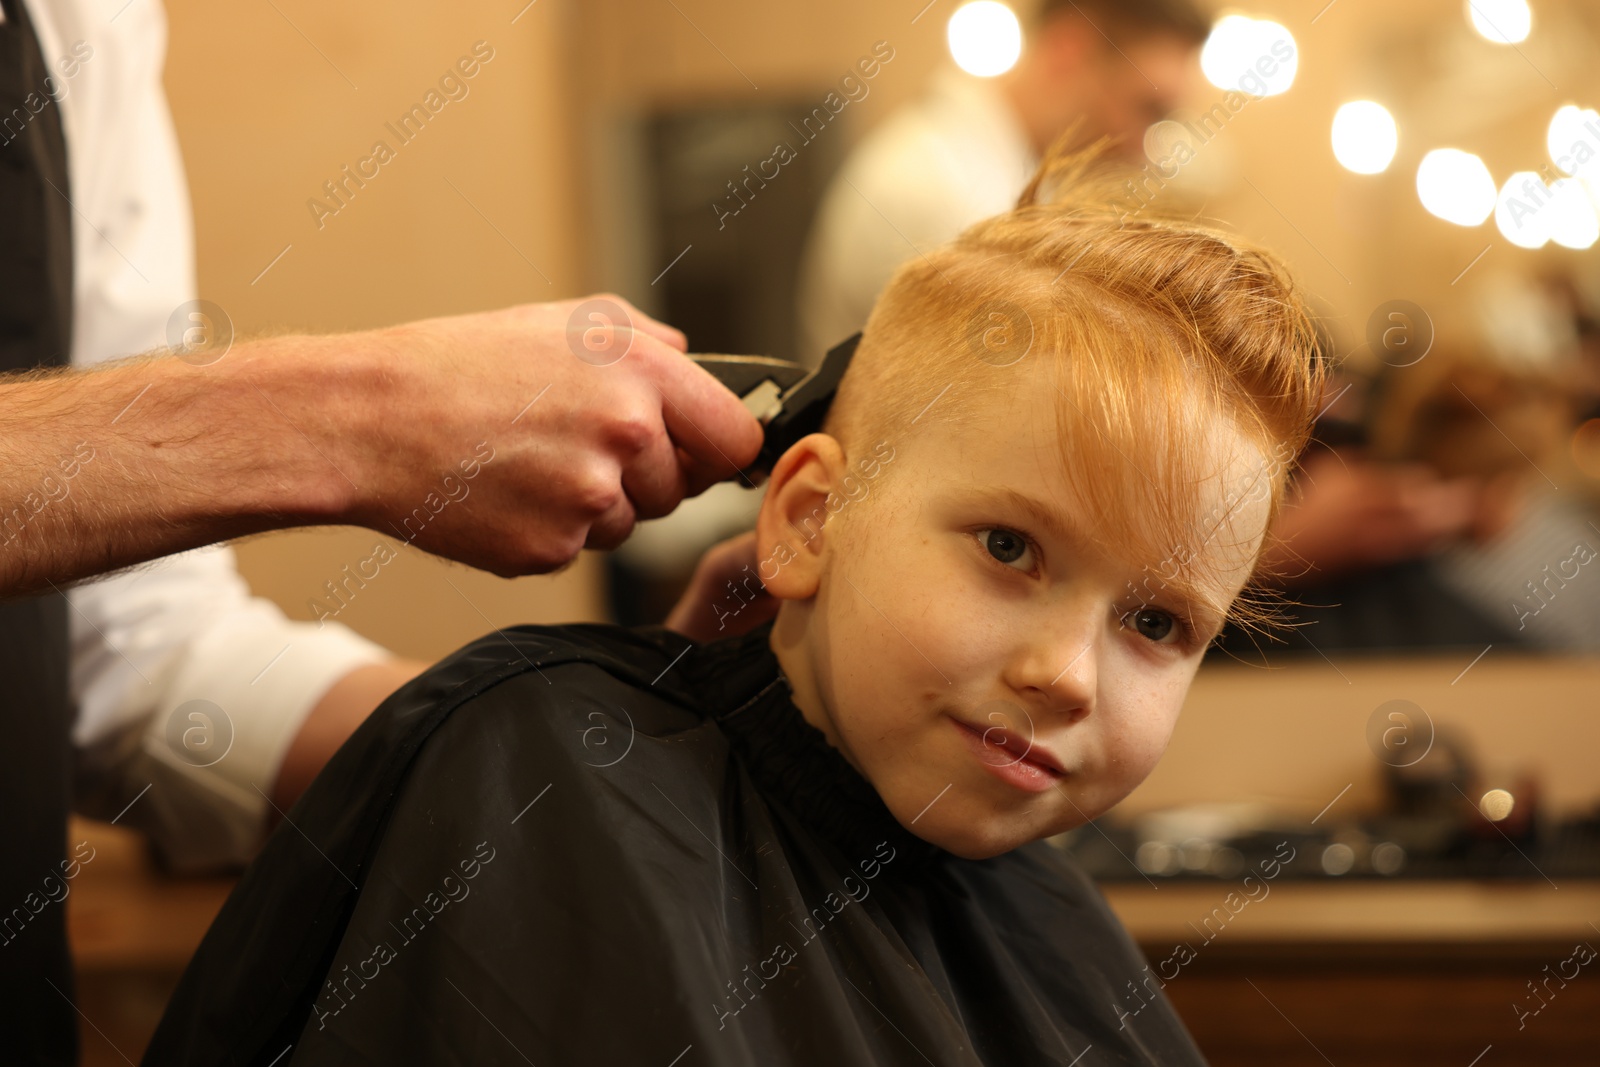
[944, 610]
[1108, 789]
[1131, 739]
[1138, 758]
[900, 587]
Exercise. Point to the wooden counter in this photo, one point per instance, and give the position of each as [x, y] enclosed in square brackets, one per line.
[1377, 974]
[1402, 913]
[132, 931]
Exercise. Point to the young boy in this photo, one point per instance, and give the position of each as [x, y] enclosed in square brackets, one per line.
[1044, 483]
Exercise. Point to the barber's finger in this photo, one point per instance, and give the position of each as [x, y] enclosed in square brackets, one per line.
[698, 477]
[667, 335]
[655, 480]
[703, 416]
[613, 526]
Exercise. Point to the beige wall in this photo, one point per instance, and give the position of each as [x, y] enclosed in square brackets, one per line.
[1294, 738]
[265, 118]
[726, 49]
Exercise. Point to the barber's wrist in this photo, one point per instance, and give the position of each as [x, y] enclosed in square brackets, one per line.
[368, 385]
[309, 403]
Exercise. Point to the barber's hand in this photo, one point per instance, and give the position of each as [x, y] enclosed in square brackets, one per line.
[709, 608]
[509, 441]
[1352, 513]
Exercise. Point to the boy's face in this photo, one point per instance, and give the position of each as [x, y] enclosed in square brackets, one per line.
[959, 634]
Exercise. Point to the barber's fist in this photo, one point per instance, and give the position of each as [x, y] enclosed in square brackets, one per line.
[512, 439]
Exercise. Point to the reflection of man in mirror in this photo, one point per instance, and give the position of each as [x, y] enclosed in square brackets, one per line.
[964, 151]
[1444, 515]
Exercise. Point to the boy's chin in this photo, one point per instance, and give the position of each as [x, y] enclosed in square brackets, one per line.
[981, 838]
[973, 842]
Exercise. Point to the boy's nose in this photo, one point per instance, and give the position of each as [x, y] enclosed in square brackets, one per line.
[1056, 671]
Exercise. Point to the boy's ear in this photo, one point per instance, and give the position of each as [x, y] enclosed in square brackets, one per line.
[789, 534]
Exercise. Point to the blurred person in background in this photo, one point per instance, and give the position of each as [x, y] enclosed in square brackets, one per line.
[1101, 68]
[1442, 510]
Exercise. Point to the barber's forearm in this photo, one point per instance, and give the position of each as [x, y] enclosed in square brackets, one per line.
[391, 429]
[105, 468]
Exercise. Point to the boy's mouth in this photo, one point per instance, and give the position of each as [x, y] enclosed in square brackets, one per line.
[1017, 761]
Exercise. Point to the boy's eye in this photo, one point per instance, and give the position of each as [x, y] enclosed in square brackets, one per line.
[1153, 623]
[1007, 546]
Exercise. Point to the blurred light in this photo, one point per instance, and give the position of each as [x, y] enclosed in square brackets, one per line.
[1338, 858]
[1197, 854]
[1523, 211]
[1456, 186]
[1157, 857]
[1364, 137]
[1254, 56]
[1388, 858]
[1227, 863]
[1501, 21]
[985, 38]
[1164, 140]
[1574, 141]
[1496, 804]
[1573, 222]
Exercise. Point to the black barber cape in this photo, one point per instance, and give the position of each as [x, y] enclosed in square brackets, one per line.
[589, 845]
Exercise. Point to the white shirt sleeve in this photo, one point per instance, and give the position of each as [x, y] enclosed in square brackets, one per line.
[189, 692]
[150, 643]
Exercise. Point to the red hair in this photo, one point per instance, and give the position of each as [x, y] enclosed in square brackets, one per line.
[1149, 329]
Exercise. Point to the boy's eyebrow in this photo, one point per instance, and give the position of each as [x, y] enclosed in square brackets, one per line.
[1207, 615]
[1051, 519]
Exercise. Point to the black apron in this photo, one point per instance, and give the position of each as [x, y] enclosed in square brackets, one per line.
[38, 1024]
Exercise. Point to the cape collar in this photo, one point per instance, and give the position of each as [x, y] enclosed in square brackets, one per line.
[745, 691]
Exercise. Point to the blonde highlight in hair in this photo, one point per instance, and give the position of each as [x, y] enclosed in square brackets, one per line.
[1147, 329]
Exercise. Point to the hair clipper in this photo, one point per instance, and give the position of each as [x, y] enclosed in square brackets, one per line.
[789, 400]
